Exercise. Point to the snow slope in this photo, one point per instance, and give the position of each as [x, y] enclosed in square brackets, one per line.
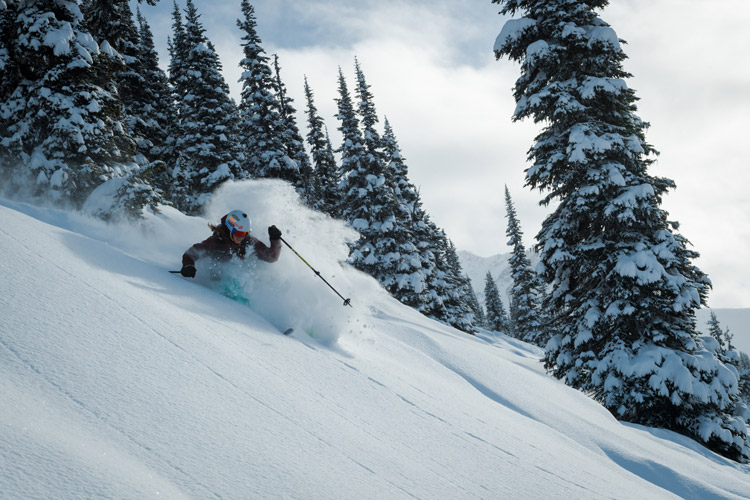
[120, 380]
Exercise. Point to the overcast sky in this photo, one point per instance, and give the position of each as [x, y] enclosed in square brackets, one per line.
[433, 74]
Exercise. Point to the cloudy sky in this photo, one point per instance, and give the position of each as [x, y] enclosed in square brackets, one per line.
[433, 74]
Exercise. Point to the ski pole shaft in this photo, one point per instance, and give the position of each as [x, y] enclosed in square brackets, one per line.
[347, 302]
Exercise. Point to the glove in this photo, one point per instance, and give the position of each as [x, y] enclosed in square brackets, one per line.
[188, 271]
[274, 233]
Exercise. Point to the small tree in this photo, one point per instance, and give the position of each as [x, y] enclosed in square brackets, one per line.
[525, 296]
[480, 319]
[497, 317]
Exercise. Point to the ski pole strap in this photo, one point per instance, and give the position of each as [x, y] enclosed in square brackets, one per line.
[347, 302]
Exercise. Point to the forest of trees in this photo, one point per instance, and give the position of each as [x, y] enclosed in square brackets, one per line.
[85, 105]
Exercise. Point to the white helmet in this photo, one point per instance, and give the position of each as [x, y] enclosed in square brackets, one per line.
[237, 221]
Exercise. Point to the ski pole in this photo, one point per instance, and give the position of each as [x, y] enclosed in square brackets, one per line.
[347, 302]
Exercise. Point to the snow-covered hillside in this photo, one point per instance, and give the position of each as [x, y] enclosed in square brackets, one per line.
[120, 380]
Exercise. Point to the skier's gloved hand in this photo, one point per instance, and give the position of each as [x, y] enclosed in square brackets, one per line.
[274, 233]
[188, 271]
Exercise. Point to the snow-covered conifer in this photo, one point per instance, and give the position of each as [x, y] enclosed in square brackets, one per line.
[62, 129]
[157, 112]
[412, 271]
[527, 287]
[293, 142]
[384, 250]
[496, 315]
[723, 337]
[624, 289]
[367, 202]
[457, 310]
[325, 175]
[368, 118]
[262, 123]
[208, 141]
[8, 65]
[743, 367]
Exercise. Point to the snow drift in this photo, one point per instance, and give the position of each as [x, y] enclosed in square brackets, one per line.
[121, 380]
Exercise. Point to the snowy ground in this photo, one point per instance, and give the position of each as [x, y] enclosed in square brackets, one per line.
[120, 380]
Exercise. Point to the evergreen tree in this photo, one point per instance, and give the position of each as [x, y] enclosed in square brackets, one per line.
[293, 142]
[411, 270]
[369, 118]
[458, 310]
[479, 316]
[497, 317]
[397, 262]
[723, 337]
[8, 67]
[62, 128]
[367, 203]
[743, 367]
[11, 73]
[157, 112]
[208, 140]
[178, 56]
[624, 289]
[326, 175]
[111, 24]
[527, 287]
[262, 124]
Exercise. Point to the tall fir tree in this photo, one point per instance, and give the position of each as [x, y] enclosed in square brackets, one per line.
[293, 142]
[208, 137]
[527, 291]
[157, 110]
[412, 271]
[398, 266]
[111, 24]
[624, 289]
[367, 202]
[496, 315]
[326, 174]
[368, 118]
[62, 132]
[262, 123]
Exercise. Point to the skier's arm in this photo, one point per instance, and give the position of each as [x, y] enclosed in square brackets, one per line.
[194, 252]
[269, 254]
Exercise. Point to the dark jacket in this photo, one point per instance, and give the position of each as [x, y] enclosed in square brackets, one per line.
[220, 247]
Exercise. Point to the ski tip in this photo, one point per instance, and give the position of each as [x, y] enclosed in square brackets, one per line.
[288, 331]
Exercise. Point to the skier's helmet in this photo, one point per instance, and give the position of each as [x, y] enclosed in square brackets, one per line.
[238, 223]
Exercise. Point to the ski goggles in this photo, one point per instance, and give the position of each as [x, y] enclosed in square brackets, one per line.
[241, 234]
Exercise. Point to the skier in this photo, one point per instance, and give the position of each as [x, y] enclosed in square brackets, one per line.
[229, 239]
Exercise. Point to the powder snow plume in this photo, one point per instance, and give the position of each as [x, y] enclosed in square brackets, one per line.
[288, 293]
